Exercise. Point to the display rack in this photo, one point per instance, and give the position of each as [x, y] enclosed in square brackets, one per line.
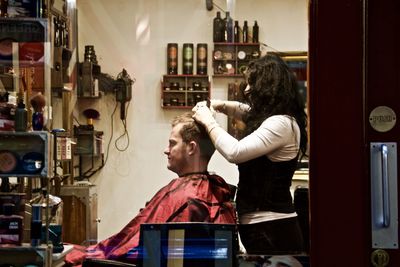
[42, 42]
[28, 155]
[184, 91]
[231, 59]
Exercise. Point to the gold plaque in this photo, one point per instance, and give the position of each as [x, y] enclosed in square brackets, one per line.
[382, 119]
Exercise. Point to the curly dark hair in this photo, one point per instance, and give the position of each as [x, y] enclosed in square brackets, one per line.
[273, 91]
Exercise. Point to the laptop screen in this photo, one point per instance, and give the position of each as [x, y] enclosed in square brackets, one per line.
[187, 245]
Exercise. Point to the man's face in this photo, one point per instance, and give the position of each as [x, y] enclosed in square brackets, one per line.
[176, 152]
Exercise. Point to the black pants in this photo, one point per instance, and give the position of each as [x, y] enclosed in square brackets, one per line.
[272, 238]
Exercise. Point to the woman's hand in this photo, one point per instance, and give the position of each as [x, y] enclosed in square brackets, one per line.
[203, 115]
[215, 105]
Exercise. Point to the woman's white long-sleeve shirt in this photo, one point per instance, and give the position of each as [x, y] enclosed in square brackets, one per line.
[278, 138]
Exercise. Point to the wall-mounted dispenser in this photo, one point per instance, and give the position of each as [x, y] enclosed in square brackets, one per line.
[123, 91]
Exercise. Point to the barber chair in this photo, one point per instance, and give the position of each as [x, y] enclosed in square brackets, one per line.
[103, 263]
[300, 201]
[196, 230]
[232, 191]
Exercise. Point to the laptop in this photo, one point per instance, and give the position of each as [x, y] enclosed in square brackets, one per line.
[187, 245]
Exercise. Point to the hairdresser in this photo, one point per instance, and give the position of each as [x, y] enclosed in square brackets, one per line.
[275, 138]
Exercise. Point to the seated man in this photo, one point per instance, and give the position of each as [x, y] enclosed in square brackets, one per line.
[195, 196]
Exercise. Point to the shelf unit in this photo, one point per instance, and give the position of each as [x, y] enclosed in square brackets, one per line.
[231, 59]
[27, 155]
[184, 91]
[89, 150]
[25, 255]
[42, 66]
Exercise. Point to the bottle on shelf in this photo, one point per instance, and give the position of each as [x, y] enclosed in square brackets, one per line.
[201, 59]
[56, 32]
[245, 32]
[187, 66]
[90, 53]
[228, 33]
[36, 224]
[11, 226]
[236, 32]
[255, 32]
[21, 117]
[172, 58]
[3, 8]
[63, 34]
[39, 9]
[218, 28]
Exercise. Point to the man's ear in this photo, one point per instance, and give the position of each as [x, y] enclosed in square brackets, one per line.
[192, 147]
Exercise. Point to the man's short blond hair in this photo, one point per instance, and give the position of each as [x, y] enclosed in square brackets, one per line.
[194, 131]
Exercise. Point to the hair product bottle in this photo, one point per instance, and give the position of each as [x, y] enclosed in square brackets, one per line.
[218, 28]
[228, 28]
[3, 8]
[172, 58]
[236, 32]
[245, 32]
[36, 224]
[187, 66]
[201, 59]
[21, 117]
[255, 32]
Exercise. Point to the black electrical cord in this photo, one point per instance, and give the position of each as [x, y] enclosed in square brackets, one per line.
[112, 133]
[125, 133]
[75, 119]
[220, 8]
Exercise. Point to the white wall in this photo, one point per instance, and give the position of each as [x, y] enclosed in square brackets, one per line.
[133, 34]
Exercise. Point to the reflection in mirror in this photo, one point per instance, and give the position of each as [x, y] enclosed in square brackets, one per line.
[24, 56]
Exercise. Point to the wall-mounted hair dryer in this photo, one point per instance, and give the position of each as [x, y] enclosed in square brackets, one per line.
[123, 90]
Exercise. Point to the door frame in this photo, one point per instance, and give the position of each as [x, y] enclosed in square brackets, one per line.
[352, 69]
[337, 148]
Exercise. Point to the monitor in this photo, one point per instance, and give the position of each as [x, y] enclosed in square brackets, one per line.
[187, 245]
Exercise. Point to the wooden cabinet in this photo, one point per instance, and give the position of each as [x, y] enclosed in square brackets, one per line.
[231, 59]
[80, 203]
[184, 91]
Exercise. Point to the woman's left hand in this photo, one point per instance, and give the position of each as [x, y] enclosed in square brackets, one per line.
[203, 115]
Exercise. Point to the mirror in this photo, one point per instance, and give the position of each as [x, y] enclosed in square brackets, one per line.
[24, 56]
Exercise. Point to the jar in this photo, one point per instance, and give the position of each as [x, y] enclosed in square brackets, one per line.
[174, 85]
[196, 86]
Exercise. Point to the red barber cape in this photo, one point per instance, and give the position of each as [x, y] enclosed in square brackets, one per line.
[192, 198]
